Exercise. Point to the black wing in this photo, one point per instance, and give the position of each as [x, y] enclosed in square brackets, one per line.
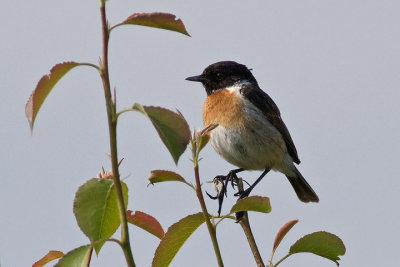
[265, 103]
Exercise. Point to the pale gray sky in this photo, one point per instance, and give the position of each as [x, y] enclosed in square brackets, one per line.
[331, 66]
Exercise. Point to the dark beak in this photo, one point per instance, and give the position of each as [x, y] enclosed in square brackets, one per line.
[198, 78]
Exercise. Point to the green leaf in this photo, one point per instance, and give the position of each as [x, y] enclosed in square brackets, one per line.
[43, 88]
[158, 176]
[175, 237]
[159, 20]
[146, 222]
[203, 140]
[171, 127]
[52, 255]
[323, 244]
[252, 203]
[79, 257]
[96, 210]
[202, 137]
[282, 232]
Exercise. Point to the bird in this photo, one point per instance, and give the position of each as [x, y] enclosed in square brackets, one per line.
[250, 132]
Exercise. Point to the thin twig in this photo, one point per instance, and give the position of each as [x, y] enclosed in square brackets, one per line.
[112, 126]
[276, 264]
[199, 193]
[210, 226]
[244, 222]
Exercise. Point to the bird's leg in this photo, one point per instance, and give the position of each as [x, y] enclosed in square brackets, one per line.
[220, 183]
[246, 193]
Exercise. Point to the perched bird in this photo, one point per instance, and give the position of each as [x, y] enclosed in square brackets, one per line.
[250, 133]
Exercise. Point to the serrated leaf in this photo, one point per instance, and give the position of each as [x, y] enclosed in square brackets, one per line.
[43, 88]
[146, 222]
[171, 127]
[158, 176]
[174, 238]
[322, 243]
[79, 257]
[50, 256]
[159, 20]
[282, 232]
[96, 210]
[252, 203]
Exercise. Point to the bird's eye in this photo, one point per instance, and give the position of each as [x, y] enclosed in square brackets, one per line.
[220, 76]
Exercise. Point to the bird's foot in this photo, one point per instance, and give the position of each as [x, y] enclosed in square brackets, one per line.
[243, 193]
[220, 185]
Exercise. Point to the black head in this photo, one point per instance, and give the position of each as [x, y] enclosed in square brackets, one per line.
[223, 74]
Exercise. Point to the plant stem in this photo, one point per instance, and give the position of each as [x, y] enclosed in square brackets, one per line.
[276, 264]
[112, 126]
[210, 226]
[244, 222]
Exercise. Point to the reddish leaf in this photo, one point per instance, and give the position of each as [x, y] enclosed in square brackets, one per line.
[146, 222]
[52, 255]
[159, 20]
[43, 88]
[282, 232]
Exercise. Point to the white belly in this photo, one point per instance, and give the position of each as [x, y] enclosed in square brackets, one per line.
[255, 145]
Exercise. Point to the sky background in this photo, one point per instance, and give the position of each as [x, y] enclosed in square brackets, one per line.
[332, 67]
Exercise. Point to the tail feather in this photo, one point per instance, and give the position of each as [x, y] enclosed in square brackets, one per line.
[303, 190]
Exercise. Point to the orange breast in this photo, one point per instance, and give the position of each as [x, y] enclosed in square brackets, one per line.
[224, 108]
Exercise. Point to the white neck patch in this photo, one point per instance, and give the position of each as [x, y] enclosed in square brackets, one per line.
[237, 86]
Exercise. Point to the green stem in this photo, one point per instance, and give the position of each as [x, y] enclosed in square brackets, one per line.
[224, 217]
[112, 126]
[115, 26]
[123, 111]
[90, 65]
[210, 226]
[276, 264]
[270, 259]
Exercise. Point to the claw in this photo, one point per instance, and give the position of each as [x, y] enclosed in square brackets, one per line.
[243, 194]
[220, 185]
[220, 201]
[233, 184]
[220, 188]
[237, 194]
[210, 196]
